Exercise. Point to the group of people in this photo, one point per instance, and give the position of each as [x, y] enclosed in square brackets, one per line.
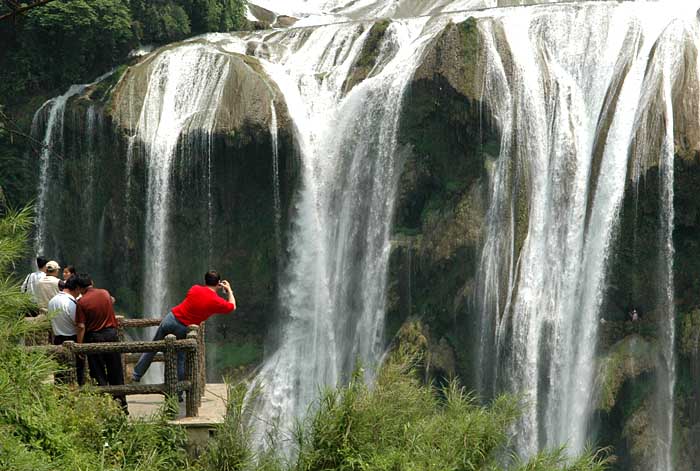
[82, 313]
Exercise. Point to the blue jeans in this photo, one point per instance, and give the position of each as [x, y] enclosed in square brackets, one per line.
[169, 325]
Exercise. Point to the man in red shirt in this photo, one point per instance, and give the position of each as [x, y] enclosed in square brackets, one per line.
[96, 322]
[200, 303]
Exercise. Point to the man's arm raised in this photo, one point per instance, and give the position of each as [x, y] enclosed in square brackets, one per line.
[229, 293]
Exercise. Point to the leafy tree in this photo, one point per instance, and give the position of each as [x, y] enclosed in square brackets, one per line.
[63, 42]
[160, 21]
[216, 15]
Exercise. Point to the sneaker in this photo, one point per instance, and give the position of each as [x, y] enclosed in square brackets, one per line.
[135, 379]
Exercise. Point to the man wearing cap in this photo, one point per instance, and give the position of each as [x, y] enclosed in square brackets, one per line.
[47, 287]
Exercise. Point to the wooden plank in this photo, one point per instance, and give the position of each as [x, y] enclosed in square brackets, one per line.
[211, 411]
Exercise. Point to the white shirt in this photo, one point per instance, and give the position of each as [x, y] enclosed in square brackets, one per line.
[45, 289]
[29, 284]
[62, 308]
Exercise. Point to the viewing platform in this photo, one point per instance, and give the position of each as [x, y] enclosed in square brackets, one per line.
[204, 406]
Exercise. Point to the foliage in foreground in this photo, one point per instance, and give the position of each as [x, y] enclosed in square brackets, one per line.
[397, 423]
[48, 427]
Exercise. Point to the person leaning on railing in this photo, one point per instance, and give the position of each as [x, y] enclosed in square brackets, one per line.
[200, 303]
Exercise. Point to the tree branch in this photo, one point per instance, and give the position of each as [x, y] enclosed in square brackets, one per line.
[15, 11]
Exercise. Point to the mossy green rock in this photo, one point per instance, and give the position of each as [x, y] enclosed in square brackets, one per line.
[641, 440]
[627, 360]
[366, 61]
[222, 209]
[437, 355]
[447, 147]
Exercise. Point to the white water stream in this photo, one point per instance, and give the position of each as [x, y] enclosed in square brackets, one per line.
[333, 292]
[577, 85]
[184, 89]
[569, 87]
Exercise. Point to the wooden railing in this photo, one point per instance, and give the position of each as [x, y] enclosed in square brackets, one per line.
[193, 348]
[133, 357]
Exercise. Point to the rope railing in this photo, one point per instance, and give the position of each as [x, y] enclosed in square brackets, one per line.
[192, 346]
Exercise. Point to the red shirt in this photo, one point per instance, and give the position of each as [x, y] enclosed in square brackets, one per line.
[200, 304]
[95, 310]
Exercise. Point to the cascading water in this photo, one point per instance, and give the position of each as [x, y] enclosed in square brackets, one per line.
[656, 125]
[334, 288]
[51, 144]
[276, 179]
[184, 89]
[570, 87]
[53, 138]
[565, 88]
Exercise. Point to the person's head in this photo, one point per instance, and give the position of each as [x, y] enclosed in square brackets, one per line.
[41, 263]
[212, 278]
[71, 285]
[68, 271]
[83, 281]
[52, 268]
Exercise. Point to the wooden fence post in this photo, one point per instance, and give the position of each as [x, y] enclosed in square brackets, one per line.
[70, 358]
[120, 334]
[201, 355]
[192, 370]
[170, 366]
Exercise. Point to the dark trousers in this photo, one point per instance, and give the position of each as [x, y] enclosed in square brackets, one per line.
[62, 376]
[106, 368]
[169, 325]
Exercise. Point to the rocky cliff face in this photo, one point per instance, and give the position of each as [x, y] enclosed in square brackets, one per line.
[449, 144]
[97, 207]
[441, 204]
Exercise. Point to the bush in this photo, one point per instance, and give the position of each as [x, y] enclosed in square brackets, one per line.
[47, 426]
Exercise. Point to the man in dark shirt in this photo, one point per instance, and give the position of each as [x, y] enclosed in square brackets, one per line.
[96, 322]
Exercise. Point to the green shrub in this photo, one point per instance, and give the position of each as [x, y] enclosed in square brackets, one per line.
[47, 426]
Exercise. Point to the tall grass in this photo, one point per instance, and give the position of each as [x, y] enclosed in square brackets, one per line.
[397, 423]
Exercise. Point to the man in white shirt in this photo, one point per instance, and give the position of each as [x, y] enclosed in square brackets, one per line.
[29, 283]
[62, 313]
[47, 287]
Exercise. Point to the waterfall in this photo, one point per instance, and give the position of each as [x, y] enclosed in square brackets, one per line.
[276, 179]
[565, 88]
[184, 89]
[51, 145]
[655, 129]
[582, 94]
[333, 290]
